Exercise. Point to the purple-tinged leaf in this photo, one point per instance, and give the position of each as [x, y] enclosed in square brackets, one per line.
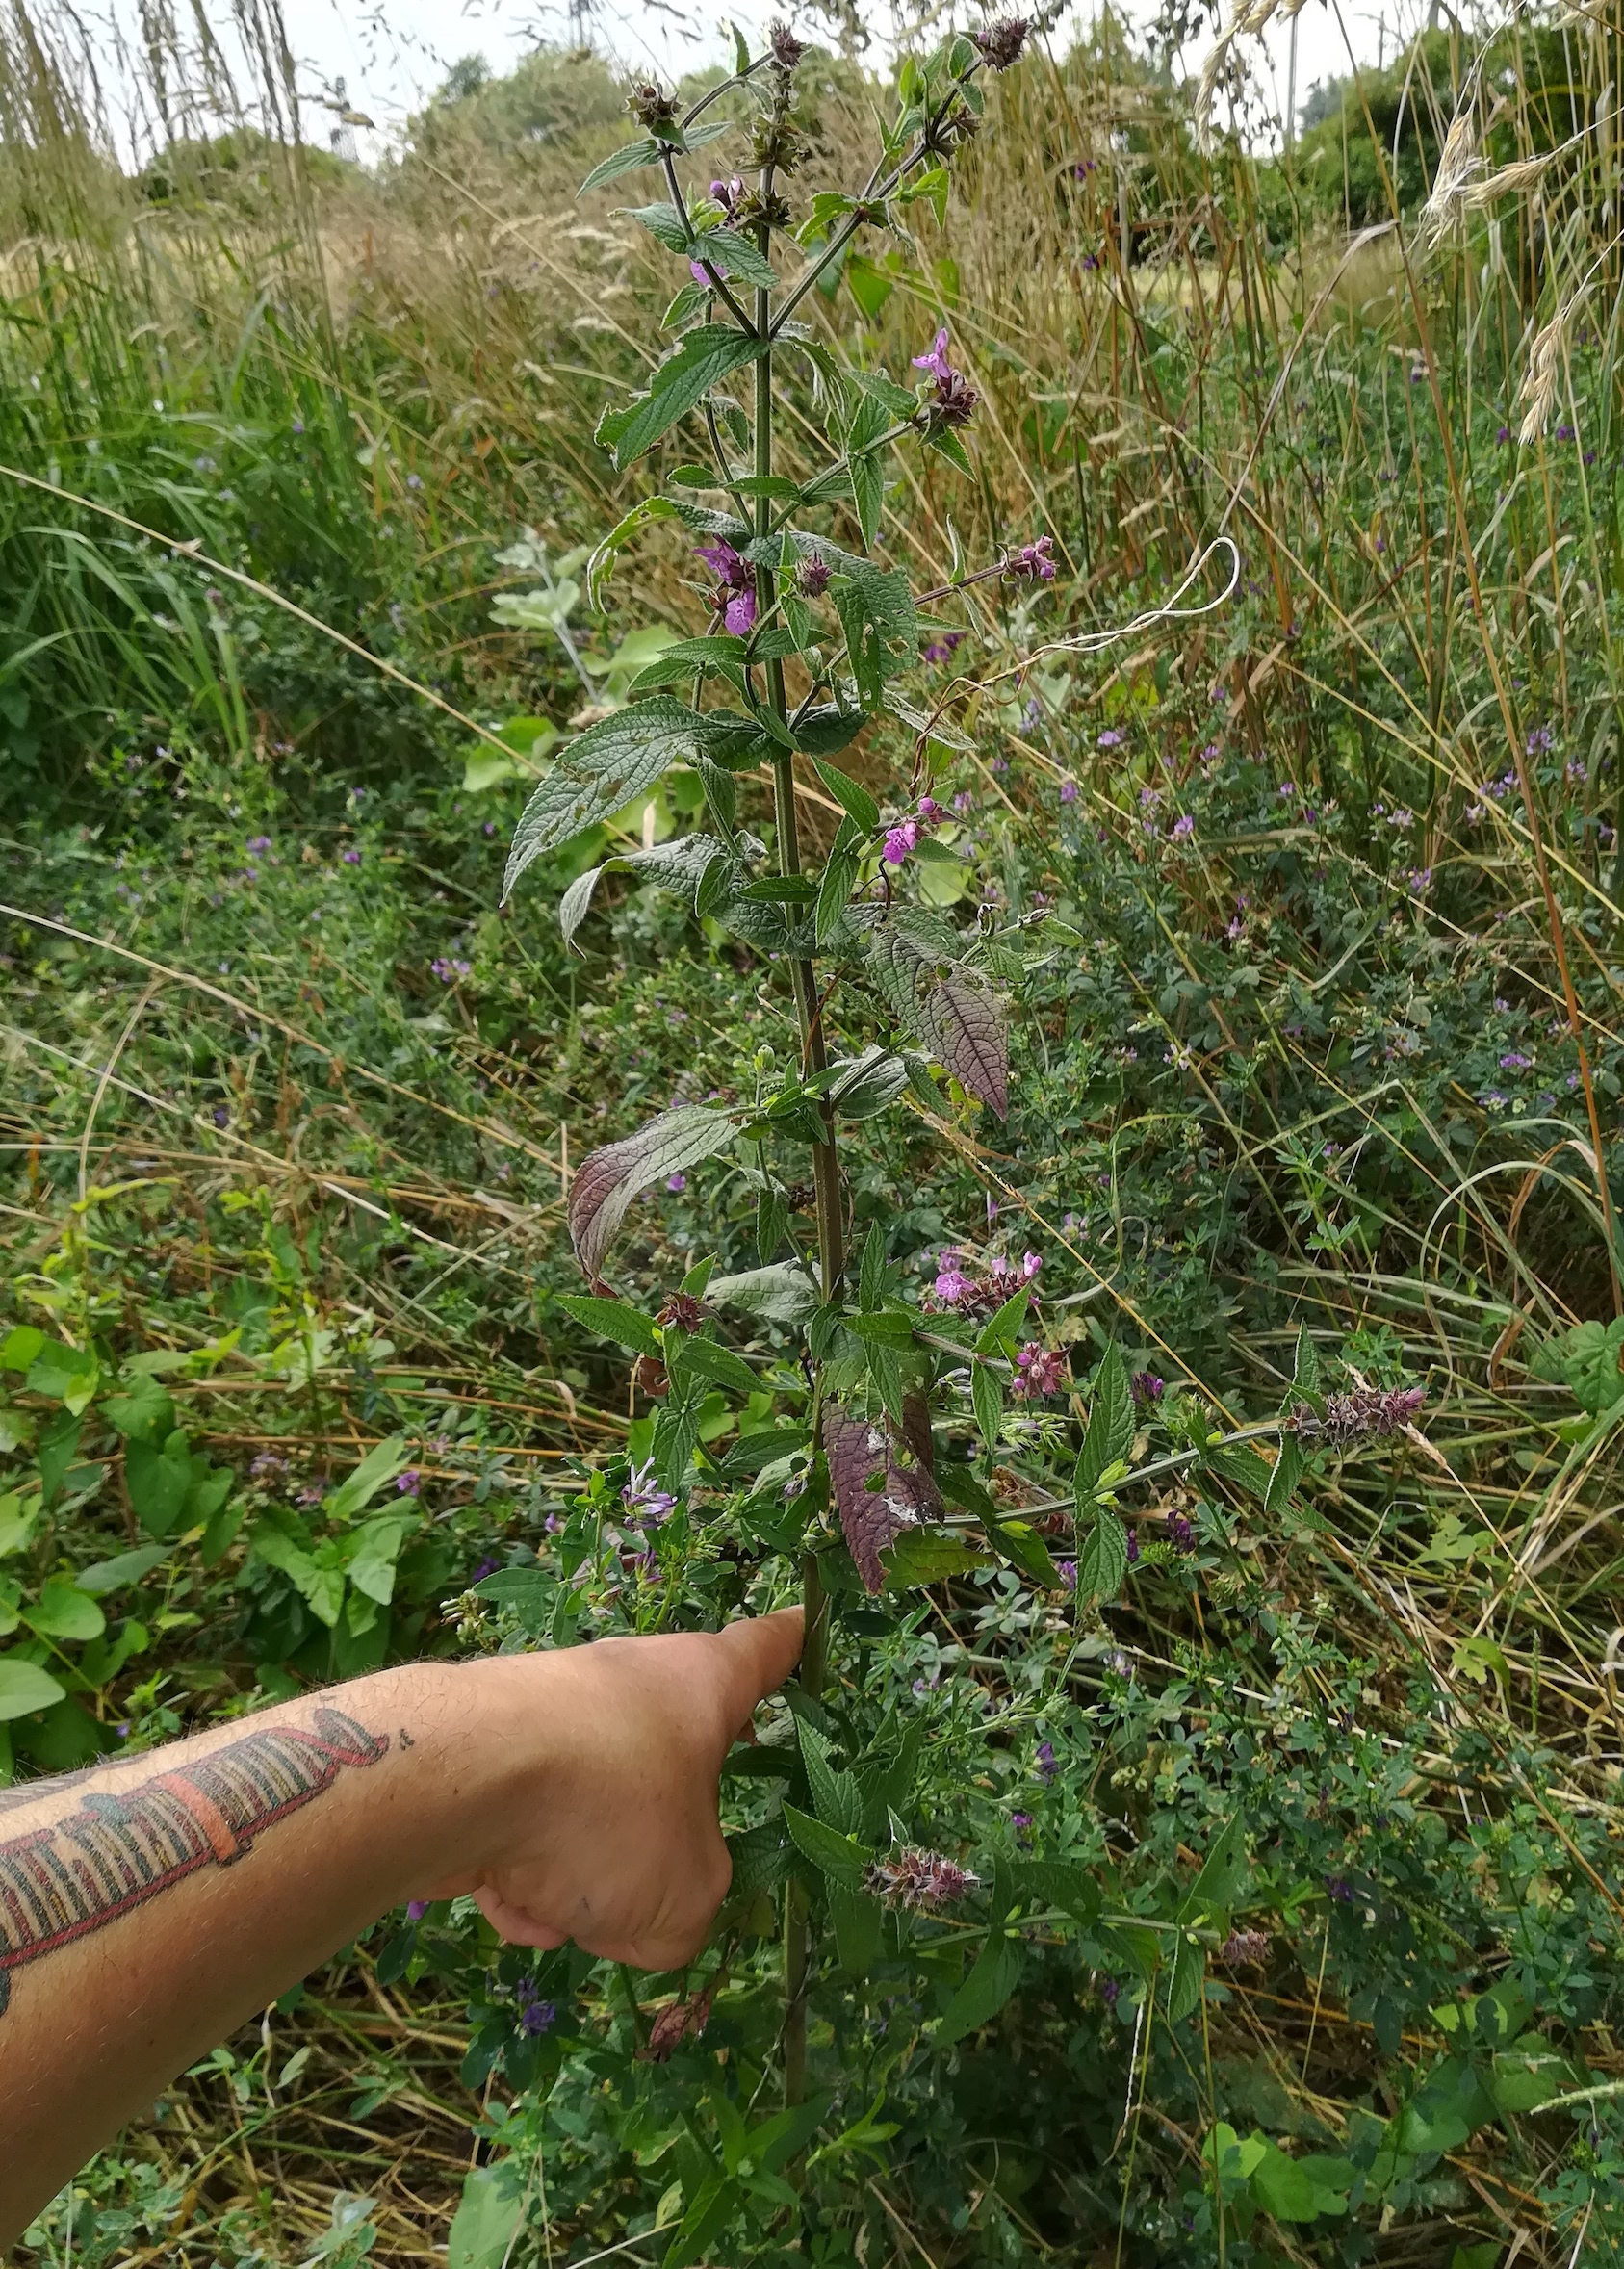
[880, 1485]
[607, 1181]
[965, 1026]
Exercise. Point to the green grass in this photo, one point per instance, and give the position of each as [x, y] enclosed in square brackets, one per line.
[1337, 1058]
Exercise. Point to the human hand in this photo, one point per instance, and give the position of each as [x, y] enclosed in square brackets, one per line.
[605, 1827]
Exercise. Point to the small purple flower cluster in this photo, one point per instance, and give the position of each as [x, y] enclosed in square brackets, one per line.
[979, 1296]
[449, 968]
[734, 599]
[1368, 1411]
[1033, 563]
[1039, 1373]
[646, 1503]
[920, 1880]
[1146, 1389]
[955, 399]
[940, 648]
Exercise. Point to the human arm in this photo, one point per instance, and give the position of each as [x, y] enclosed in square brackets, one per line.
[149, 1907]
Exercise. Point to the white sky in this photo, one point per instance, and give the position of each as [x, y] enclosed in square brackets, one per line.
[392, 53]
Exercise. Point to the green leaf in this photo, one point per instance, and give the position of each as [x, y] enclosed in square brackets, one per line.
[481, 2231]
[991, 1980]
[870, 286]
[63, 1612]
[713, 2205]
[19, 1348]
[1186, 1979]
[1057, 1883]
[836, 885]
[841, 1858]
[1109, 1436]
[103, 1576]
[679, 865]
[1285, 1475]
[852, 798]
[1305, 1375]
[739, 259]
[1102, 1563]
[705, 357]
[868, 492]
[159, 1481]
[987, 1395]
[859, 1921]
[66, 1374]
[929, 1556]
[1218, 1885]
[25, 1688]
[625, 160]
[145, 1414]
[612, 1319]
[719, 1366]
[837, 1799]
[598, 772]
[381, 1463]
[372, 1570]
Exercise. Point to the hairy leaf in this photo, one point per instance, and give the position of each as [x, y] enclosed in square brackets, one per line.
[625, 160]
[965, 1026]
[608, 1180]
[595, 774]
[993, 1977]
[703, 358]
[779, 1294]
[1109, 1436]
[612, 1319]
[880, 1485]
[677, 866]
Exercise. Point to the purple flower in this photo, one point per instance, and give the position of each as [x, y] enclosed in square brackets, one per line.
[449, 968]
[931, 813]
[1367, 1410]
[1182, 828]
[1068, 792]
[1504, 434]
[485, 1567]
[956, 398]
[538, 2018]
[409, 1482]
[1146, 1389]
[1039, 1373]
[643, 1497]
[259, 843]
[414, 481]
[1047, 1765]
[223, 1117]
[416, 1909]
[899, 841]
[726, 193]
[1001, 43]
[940, 648]
[1132, 1543]
[964, 802]
[1066, 1571]
[351, 856]
[1033, 563]
[1180, 1534]
[920, 1880]
[677, 1183]
[736, 601]
[952, 1285]
[1538, 743]
[1111, 738]
[1515, 1061]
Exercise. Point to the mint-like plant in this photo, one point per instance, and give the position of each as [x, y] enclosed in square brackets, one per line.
[807, 645]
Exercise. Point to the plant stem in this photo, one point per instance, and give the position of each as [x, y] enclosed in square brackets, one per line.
[826, 1181]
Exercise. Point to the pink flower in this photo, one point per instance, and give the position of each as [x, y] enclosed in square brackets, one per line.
[1039, 1372]
[1034, 563]
[1068, 792]
[952, 1285]
[955, 397]
[736, 601]
[1183, 828]
[935, 358]
[899, 841]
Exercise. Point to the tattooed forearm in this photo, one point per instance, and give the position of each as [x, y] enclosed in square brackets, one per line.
[117, 1849]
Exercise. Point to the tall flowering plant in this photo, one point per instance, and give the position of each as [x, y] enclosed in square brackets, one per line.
[861, 1480]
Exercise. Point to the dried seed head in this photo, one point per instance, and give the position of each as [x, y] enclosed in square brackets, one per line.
[1544, 370]
[1244, 1949]
[787, 49]
[1510, 181]
[1459, 166]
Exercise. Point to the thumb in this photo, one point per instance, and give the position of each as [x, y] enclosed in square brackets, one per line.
[759, 1652]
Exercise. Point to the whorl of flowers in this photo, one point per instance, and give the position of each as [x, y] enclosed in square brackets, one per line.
[651, 105]
[1033, 563]
[1368, 1412]
[1244, 1949]
[955, 398]
[787, 49]
[1002, 44]
[920, 1880]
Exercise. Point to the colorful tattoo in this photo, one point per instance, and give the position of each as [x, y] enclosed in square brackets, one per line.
[119, 1849]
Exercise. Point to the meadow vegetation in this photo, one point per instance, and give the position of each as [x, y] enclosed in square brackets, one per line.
[1271, 1700]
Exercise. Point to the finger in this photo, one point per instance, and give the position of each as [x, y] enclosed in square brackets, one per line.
[514, 1924]
[759, 1652]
